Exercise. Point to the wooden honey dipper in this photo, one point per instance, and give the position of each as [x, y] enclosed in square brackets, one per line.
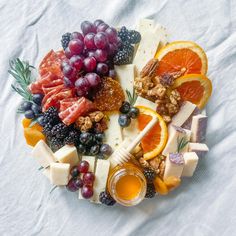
[123, 154]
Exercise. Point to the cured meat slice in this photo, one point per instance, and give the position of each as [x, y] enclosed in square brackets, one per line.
[72, 113]
[67, 102]
[46, 90]
[54, 91]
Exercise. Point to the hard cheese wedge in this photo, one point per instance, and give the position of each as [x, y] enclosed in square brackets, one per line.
[198, 128]
[91, 161]
[125, 74]
[67, 154]
[190, 163]
[174, 165]
[176, 134]
[140, 101]
[43, 154]
[201, 149]
[101, 175]
[113, 135]
[59, 173]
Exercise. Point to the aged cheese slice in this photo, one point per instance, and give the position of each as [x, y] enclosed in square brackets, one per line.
[174, 165]
[198, 128]
[184, 113]
[140, 101]
[67, 154]
[91, 161]
[190, 163]
[176, 134]
[59, 173]
[201, 149]
[101, 175]
[43, 154]
[113, 135]
[145, 25]
[126, 74]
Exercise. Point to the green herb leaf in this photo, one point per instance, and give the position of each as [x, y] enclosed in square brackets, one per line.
[131, 97]
[181, 143]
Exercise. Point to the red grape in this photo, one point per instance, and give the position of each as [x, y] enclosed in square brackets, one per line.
[90, 64]
[93, 79]
[87, 191]
[83, 167]
[89, 41]
[101, 40]
[102, 27]
[98, 22]
[91, 54]
[76, 46]
[102, 68]
[82, 88]
[112, 74]
[71, 186]
[79, 182]
[68, 83]
[112, 49]
[88, 178]
[101, 55]
[77, 35]
[74, 172]
[77, 62]
[68, 53]
[87, 27]
[111, 34]
[67, 70]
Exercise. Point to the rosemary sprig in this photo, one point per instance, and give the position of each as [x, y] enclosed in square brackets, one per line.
[132, 97]
[181, 143]
[21, 71]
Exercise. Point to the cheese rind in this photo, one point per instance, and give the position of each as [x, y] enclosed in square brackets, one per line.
[43, 154]
[59, 173]
[201, 149]
[101, 176]
[140, 101]
[190, 163]
[67, 154]
[198, 128]
[174, 165]
[175, 135]
[187, 124]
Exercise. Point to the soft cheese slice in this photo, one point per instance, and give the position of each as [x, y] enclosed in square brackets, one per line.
[190, 163]
[201, 149]
[91, 161]
[113, 135]
[101, 175]
[126, 74]
[43, 154]
[174, 165]
[140, 101]
[184, 113]
[163, 36]
[175, 135]
[198, 128]
[59, 173]
[67, 154]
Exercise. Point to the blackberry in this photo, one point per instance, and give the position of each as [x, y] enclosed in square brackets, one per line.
[149, 174]
[151, 192]
[65, 39]
[105, 198]
[60, 130]
[56, 143]
[123, 33]
[128, 48]
[72, 138]
[51, 116]
[134, 36]
[47, 128]
[121, 58]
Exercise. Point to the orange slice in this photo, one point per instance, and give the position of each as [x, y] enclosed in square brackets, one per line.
[195, 88]
[180, 58]
[155, 140]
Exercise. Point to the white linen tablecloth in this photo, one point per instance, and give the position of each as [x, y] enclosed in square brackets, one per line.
[204, 205]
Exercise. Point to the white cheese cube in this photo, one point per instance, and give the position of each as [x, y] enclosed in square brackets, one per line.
[67, 154]
[176, 134]
[198, 128]
[190, 163]
[174, 165]
[145, 25]
[46, 172]
[101, 176]
[184, 113]
[59, 173]
[126, 74]
[43, 154]
[145, 102]
[201, 149]
[113, 135]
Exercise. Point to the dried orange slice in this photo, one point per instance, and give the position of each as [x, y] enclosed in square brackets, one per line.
[195, 88]
[155, 140]
[180, 58]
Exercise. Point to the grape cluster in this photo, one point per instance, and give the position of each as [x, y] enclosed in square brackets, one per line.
[89, 56]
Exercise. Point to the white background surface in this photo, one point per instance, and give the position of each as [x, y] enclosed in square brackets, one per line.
[203, 206]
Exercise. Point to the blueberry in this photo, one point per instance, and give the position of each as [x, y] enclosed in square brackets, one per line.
[37, 98]
[40, 120]
[94, 150]
[81, 149]
[125, 107]
[98, 138]
[124, 120]
[100, 156]
[25, 106]
[106, 150]
[133, 113]
[29, 114]
[86, 138]
[36, 109]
